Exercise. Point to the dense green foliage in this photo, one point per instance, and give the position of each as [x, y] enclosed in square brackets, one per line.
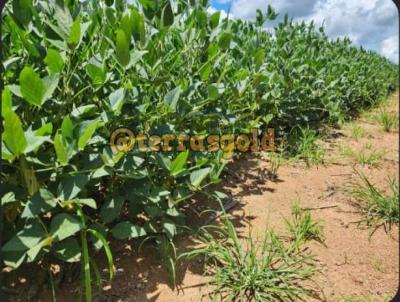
[76, 70]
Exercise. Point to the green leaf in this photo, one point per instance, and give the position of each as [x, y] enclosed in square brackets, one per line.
[51, 83]
[5, 153]
[127, 26]
[259, 57]
[54, 61]
[34, 141]
[271, 14]
[127, 230]
[100, 237]
[197, 176]
[90, 202]
[61, 151]
[68, 250]
[14, 251]
[13, 135]
[172, 97]
[67, 128]
[70, 186]
[117, 100]
[214, 19]
[111, 209]
[9, 197]
[25, 239]
[63, 226]
[122, 48]
[138, 26]
[22, 11]
[42, 201]
[224, 41]
[96, 74]
[213, 92]
[86, 131]
[75, 33]
[205, 71]
[169, 229]
[6, 101]
[45, 129]
[167, 16]
[179, 162]
[32, 87]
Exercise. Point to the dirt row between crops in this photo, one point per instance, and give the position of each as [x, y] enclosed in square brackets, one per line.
[351, 264]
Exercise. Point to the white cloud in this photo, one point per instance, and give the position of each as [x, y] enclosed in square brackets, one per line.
[372, 24]
[223, 14]
[390, 48]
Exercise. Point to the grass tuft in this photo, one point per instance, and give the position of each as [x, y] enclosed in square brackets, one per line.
[366, 156]
[302, 227]
[307, 148]
[245, 270]
[379, 208]
[388, 120]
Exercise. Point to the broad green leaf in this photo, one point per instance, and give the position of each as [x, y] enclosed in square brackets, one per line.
[205, 71]
[179, 162]
[45, 129]
[54, 61]
[213, 92]
[90, 202]
[32, 87]
[14, 251]
[197, 176]
[122, 48]
[224, 41]
[111, 209]
[127, 230]
[138, 26]
[34, 141]
[117, 100]
[5, 153]
[51, 83]
[61, 151]
[127, 26]
[214, 19]
[96, 74]
[22, 11]
[42, 201]
[86, 131]
[28, 176]
[136, 56]
[63, 226]
[167, 16]
[169, 229]
[13, 135]
[27, 238]
[163, 161]
[7, 198]
[172, 97]
[16, 90]
[6, 101]
[68, 250]
[85, 110]
[70, 186]
[75, 33]
[67, 128]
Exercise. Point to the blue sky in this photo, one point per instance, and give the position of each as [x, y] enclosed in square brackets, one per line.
[370, 23]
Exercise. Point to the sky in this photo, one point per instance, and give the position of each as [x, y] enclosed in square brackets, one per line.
[372, 24]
